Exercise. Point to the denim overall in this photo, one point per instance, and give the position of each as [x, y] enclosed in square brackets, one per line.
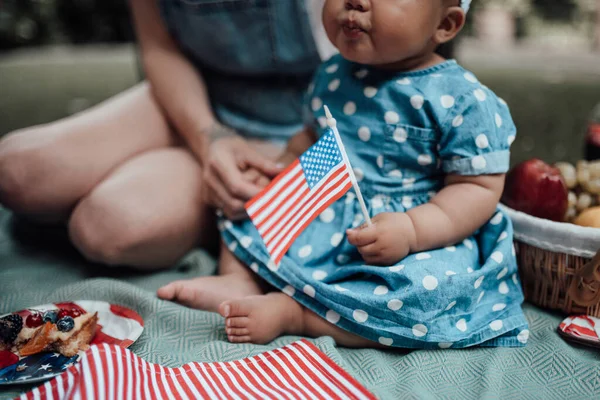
[256, 56]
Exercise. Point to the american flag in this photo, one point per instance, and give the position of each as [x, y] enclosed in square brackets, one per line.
[297, 371]
[299, 194]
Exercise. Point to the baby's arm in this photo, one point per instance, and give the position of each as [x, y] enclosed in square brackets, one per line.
[458, 210]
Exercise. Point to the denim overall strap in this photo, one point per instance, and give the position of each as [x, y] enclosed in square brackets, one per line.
[257, 57]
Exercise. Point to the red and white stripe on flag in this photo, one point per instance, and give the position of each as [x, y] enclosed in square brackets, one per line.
[297, 371]
[299, 194]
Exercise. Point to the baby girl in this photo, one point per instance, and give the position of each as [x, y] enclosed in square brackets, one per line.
[429, 146]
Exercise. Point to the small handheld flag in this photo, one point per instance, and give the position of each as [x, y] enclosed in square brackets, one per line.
[310, 184]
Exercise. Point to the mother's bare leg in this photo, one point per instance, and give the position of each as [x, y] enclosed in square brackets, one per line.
[45, 170]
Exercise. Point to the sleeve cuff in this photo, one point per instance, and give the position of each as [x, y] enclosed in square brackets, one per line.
[482, 164]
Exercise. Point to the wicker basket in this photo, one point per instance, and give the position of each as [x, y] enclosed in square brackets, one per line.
[559, 263]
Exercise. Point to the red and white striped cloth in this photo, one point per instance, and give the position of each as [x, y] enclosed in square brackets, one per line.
[299, 194]
[581, 328]
[297, 371]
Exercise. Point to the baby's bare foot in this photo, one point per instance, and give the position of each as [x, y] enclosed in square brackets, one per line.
[260, 319]
[206, 293]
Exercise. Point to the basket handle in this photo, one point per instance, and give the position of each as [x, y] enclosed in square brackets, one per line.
[585, 287]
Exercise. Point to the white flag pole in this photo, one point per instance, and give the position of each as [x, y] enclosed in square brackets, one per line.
[332, 123]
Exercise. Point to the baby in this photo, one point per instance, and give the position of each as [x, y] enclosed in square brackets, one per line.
[429, 146]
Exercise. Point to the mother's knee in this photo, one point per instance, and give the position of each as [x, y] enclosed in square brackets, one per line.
[100, 229]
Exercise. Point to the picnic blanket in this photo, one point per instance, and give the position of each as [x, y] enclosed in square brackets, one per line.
[38, 266]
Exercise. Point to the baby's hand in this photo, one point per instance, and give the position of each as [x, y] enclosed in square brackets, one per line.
[255, 176]
[386, 241]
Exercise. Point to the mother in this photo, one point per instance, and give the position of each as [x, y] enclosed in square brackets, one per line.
[136, 175]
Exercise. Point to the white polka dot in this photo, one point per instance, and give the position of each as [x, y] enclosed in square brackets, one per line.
[478, 282]
[311, 88]
[333, 85]
[289, 290]
[482, 141]
[232, 246]
[327, 215]
[497, 256]
[254, 267]
[359, 174]
[407, 202]
[423, 256]
[470, 270]
[246, 241]
[450, 273]
[400, 135]
[498, 120]
[219, 213]
[305, 251]
[478, 162]
[395, 304]
[227, 224]
[272, 266]
[499, 307]
[451, 306]
[451, 249]
[419, 330]
[424, 159]
[470, 77]
[417, 101]
[358, 218]
[447, 101]
[391, 117]
[458, 121]
[496, 325]
[309, 291]
[396, 173]
[480, 94]
[430, 282]
[349, 108]
[360, 316]
[342, 258]
[461, 325]
[377, 201]
[502, 101]
[364, 133]
[380, 290]
[316, 103]
[322, 122]
[396, 268]
[480, 296]
[510, 140]
[436, 75]
[340, 289]
[502, 274]
[514, 250]
[350, 197]
[515, 279]
[332, 68]
[221, 225]
[523, 337]
[336, 239]
[332, 317]
[370, 92]
[503, 288]
[361, 73]
[319, 275]
[386, 341]
[403, 81]
[468, 244]
[497, 219]
[445, 345]
[408, 182]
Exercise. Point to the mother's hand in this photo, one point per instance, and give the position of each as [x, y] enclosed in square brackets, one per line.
[228, 187]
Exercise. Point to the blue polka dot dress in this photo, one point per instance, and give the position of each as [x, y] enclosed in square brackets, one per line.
[403, 133]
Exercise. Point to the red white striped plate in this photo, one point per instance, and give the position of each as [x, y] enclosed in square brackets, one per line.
[117, 325]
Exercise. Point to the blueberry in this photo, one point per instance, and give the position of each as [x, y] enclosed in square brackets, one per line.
[51, 316]
[65, 324]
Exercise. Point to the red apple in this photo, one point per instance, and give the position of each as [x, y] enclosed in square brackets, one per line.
[537, 189]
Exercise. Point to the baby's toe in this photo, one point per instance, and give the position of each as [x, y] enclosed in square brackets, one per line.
[234, 308]
[169, 292]
[237, 322]
[237, 331]
[239, 339]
